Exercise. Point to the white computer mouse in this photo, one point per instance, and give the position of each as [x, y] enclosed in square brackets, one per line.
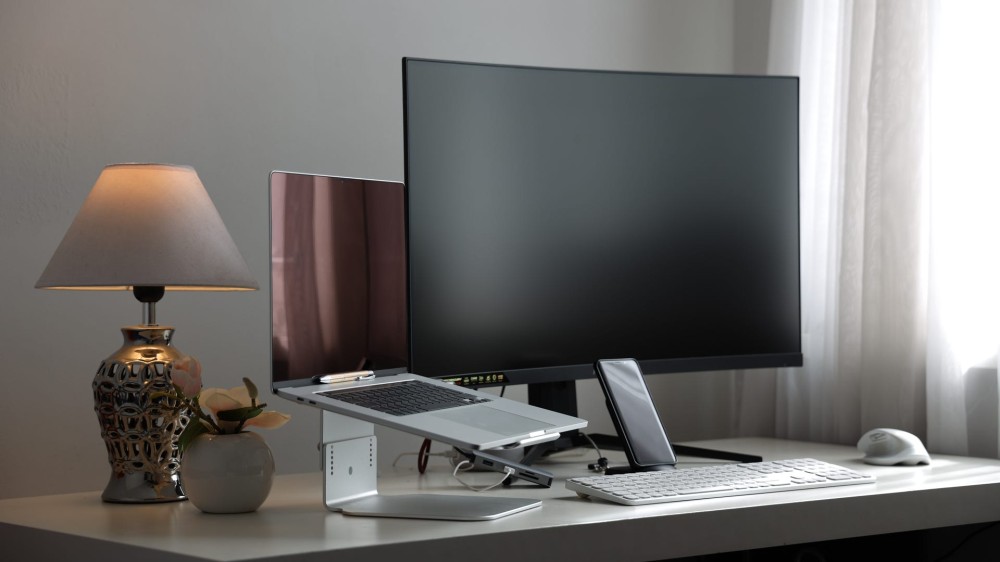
[892, 446]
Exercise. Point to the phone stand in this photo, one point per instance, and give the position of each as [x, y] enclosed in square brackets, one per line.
[350, 481]
[625, 469]
[624, 378]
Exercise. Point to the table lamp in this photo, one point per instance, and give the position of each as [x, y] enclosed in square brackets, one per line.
[147, 228]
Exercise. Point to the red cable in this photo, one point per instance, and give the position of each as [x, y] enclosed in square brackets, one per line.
[423, 455]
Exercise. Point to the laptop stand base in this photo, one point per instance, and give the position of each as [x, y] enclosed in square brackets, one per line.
[438, 506]
[350, 486]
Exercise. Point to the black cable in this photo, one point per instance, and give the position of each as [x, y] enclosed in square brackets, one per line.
[602, 463]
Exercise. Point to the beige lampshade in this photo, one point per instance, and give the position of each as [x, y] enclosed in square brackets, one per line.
[147, 225]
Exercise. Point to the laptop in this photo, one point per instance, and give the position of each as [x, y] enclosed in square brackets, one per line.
[339, 320]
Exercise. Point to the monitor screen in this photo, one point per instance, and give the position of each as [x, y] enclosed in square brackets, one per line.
[559, 216]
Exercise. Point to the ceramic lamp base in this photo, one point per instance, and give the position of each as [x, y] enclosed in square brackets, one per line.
[140, 430]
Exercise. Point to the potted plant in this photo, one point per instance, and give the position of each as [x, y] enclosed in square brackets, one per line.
[224, 467]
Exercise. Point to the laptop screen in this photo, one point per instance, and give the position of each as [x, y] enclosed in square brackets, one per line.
[338, 276]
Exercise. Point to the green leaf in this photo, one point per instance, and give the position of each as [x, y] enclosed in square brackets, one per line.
[194, 429]
[251, 388]
[239, 414]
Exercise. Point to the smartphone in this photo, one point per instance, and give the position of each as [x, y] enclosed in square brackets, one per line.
[634, 415]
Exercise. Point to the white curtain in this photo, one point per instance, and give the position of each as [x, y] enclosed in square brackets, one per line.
[899, 265]
[964, 331]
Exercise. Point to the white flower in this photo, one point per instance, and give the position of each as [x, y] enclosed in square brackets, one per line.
[238, 398]
[230, 411]
[185, 372]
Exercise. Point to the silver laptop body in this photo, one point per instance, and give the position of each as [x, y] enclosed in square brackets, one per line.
[496, 422]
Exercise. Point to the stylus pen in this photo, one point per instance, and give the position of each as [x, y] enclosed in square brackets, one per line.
[344, 377]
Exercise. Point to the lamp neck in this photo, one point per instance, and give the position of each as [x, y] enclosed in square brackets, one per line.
[148, 296]
[149, 313]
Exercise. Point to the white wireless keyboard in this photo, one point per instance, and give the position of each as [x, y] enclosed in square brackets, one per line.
[714, 481]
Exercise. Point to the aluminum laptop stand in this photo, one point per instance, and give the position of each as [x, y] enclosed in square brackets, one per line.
[350, 485]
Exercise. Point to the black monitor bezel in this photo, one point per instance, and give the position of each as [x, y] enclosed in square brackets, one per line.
[573, 372]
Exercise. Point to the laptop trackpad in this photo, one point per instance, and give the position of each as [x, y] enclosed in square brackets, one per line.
[490, 419]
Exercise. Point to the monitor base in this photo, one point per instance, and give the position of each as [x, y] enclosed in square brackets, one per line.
[613, 442]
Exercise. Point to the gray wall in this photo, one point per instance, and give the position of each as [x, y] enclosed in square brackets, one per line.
[237, 89]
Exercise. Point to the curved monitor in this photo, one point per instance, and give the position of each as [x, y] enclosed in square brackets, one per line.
[557, 216]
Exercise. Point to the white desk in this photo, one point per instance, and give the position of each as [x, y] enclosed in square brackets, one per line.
[293, 524]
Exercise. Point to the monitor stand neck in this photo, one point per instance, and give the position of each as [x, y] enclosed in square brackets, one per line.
[558, 397]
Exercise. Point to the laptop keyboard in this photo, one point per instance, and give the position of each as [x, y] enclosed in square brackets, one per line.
[404, 397]
[716, 481]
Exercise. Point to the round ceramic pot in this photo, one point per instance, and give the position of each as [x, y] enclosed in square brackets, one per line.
[227, 473]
